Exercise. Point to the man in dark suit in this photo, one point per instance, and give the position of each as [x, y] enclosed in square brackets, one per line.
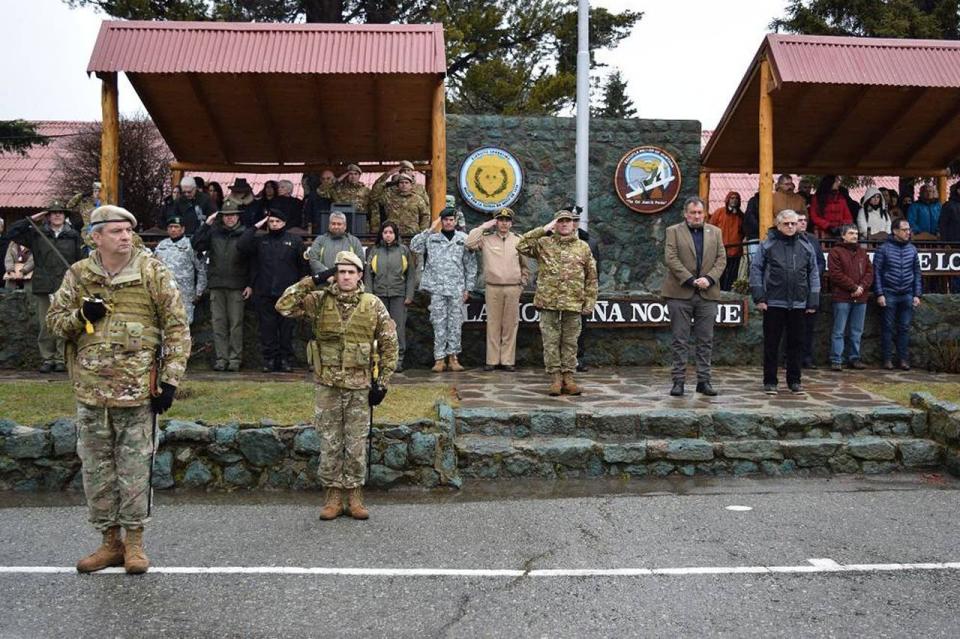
[695, 260]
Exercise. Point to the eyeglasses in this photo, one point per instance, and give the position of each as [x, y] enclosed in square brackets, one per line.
[788, 223]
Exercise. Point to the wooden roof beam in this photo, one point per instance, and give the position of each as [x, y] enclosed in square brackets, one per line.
[881, 137]
[321, 115]
[928, 135]
[218, 133]
[306, 167]
[848, 113]
[155, 113]
[256, 86]
[910, 106]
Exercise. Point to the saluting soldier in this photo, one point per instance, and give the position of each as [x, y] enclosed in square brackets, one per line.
[120, 310]
[404, 207]
[566, 289]
[350, 190]
[351, 329]
[189, 271]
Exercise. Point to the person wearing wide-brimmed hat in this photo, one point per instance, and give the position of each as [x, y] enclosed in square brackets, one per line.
[566, 290]
[229, 283]
[61, 246]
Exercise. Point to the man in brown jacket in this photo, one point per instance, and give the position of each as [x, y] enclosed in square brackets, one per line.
[695, 260]
[505, 272]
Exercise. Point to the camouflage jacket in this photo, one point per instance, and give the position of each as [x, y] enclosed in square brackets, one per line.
[112, 366]
[407, 210]
[356, 194]
[385, 186]
[189, 271]
[566, 271]
[303, 299]
[450, 269]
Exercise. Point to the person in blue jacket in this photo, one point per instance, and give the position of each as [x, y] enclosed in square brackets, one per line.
[924, 214]
[898, 287]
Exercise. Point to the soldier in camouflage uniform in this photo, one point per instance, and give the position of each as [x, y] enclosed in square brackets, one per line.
[402, 206]
[117, 309]
[566, 289]
[350, 329]
[189, 271]
[85, 205]
[449, 273]
[349, 190]
[388, 184]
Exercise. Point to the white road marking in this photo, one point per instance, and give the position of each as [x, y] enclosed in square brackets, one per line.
[740, 509]
[818, 565]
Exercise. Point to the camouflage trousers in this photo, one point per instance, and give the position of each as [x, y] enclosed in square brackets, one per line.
[342, 420]
[446, 315]
[559, 331]
[115, 447]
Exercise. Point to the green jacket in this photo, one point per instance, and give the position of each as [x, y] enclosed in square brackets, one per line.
[391, 271]
[567, 272]
[227, 267]
[48, 269]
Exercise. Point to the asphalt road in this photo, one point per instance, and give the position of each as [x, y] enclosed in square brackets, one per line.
[523, 529]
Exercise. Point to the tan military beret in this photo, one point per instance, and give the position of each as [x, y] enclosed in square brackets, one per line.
[353, 168]
[406, 164]
[405, 176]
[111, 213]
[564, 214]
[347, 258]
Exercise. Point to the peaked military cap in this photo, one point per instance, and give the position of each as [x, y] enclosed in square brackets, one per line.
[505, 212]
[564, 214]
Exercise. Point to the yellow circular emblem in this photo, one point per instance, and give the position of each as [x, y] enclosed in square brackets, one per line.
[490, 179]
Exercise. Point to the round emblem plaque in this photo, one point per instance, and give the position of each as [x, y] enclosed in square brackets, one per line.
[647, 179]
[490, 179]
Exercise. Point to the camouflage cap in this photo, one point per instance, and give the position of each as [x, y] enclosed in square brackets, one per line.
[406, 164]
[451, 201]
[505, 213]
[353, 168]
[405, 176]
[57, 205]
[564, 214]
[111, 213]
[348, 258]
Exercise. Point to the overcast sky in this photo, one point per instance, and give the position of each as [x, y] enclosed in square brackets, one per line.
[684, 59]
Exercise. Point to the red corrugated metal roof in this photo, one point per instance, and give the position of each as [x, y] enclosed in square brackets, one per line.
[866, 61]
[231, 47]
[26, 180]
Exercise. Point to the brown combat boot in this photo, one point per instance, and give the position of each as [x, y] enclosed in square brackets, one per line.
[135, 560]
[454, 365]
[570, 385]
[333, 507]
[556, 384]
[440, 366]
[355, 502]
[110, 553]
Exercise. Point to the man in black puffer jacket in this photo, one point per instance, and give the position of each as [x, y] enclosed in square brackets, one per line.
[276, 263]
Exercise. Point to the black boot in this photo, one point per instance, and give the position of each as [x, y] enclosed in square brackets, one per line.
[677, 389]
[704, 388]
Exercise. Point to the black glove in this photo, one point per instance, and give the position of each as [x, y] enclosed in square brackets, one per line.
[93, 310]
[162, 402]
[320, 279]
[376, 394]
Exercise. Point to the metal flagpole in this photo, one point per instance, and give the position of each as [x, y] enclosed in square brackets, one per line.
[583, 108]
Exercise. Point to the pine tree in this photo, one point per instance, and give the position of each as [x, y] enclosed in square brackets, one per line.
[616, 103]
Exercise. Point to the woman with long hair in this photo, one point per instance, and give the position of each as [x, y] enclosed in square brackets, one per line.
[391, 275]
[829, 211]
[263, 203]
[215, 191]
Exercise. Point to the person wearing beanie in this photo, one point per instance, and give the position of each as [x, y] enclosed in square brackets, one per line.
[189, 271]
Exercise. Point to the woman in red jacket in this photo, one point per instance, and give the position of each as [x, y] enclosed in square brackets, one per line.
[851, 275]
[828, 208]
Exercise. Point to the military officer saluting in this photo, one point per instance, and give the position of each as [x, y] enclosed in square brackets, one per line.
[566, 289]
[117, 309]
[351, 329]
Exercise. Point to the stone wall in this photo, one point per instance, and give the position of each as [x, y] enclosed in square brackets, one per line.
[234, 456]
[943, 422]
[631, 244]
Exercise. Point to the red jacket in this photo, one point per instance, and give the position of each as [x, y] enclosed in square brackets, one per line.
[848, 267]
[835, 213]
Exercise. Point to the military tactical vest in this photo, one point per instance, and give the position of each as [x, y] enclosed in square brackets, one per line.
[342, 345]
[131, 319]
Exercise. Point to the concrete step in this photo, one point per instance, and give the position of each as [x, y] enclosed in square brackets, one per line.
[498, 456]
[631, 424]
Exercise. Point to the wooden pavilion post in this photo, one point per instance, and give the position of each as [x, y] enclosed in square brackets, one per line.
[942, 188]
[438, 150]
[705, 190]
[766, 150]
[109, 139]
